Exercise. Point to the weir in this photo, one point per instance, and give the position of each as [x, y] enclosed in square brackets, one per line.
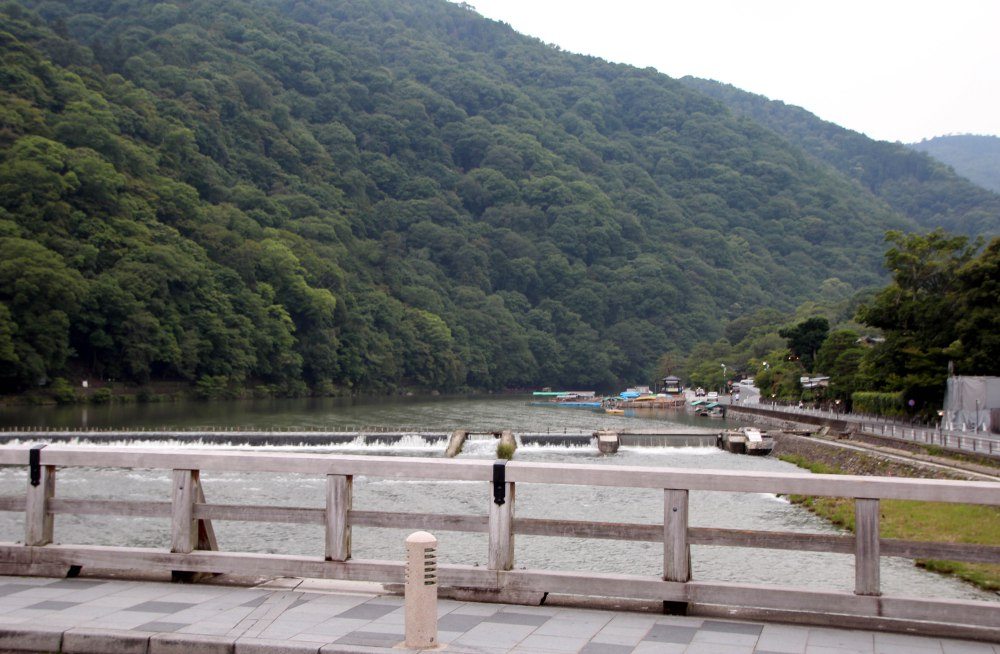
[316, 438]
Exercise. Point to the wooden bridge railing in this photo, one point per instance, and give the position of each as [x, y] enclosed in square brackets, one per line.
[193, 548]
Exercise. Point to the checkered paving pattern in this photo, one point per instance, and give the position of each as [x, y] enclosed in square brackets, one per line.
[85, 615]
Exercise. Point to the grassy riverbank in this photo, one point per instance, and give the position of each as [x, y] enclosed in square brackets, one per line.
[919, 521]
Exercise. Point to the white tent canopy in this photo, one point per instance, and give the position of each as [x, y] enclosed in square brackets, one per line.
[972, 404]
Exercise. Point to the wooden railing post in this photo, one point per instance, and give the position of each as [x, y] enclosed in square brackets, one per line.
[37, 519]
[502, 530]
[339, 494]
[183, 526]
[206, 532]
[866, 547]
[188, 533]
[676, 551]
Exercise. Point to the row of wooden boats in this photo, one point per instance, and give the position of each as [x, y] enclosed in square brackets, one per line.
[707, 408]
[630, 399]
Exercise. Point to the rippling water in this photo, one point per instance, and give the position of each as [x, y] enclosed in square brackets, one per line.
[707, 509]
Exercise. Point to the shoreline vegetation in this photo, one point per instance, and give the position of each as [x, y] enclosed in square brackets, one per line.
[64, 393]
[909, 520]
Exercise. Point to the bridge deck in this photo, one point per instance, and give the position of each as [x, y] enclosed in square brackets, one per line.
[293, 615]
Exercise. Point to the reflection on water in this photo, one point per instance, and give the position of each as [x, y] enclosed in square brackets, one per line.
[339, 414]
[618, 505]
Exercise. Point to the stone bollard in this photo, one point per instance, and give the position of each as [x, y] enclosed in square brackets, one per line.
[421, 590]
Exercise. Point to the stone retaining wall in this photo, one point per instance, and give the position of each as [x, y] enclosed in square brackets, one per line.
[854, 462]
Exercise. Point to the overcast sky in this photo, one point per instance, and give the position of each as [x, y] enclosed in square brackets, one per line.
[894, 70]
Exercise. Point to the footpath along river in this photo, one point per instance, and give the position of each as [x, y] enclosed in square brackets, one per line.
[708, 509]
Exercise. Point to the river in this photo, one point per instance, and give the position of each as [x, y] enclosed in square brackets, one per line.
[708, 509]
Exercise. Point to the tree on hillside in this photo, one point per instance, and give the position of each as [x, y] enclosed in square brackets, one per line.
[917, 313]
[839, 357]
[375, 196]
[39, 296]
[805, 339]
[978, 313]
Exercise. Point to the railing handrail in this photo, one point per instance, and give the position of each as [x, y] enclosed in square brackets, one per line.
[193, 547]
[223, 460]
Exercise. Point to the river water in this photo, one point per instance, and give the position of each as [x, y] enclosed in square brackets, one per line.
[707, 509]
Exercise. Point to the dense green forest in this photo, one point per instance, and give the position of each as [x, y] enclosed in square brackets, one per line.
[972, 156]
[912, 183]
[374, 195]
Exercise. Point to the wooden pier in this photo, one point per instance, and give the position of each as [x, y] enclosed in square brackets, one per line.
[191, 549]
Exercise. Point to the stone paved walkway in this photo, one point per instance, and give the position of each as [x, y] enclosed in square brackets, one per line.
[116, 616]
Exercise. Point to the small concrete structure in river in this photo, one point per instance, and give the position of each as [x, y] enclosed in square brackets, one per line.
[455, 443]
[608, 442]
[507, 442]
[745, 440]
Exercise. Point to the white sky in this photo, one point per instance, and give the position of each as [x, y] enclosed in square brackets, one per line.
[894, 70]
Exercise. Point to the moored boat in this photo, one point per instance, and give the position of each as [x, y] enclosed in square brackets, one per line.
[642, 398]
[707, 409]
[568, 399]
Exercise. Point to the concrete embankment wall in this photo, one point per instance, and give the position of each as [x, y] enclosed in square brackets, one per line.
[854, 462]
[771, 417]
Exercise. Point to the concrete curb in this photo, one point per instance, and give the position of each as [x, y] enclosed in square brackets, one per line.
[28, 639]
[85, 640]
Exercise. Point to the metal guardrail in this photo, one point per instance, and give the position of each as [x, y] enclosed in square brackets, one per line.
[956, 440]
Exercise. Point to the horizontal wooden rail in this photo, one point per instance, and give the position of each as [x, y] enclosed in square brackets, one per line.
[129, 508]
[193, 547]
[929, 490]
[967, 552]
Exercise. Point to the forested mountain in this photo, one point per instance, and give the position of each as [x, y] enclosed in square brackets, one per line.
[368, 195]
[910, 182]
[973, 156]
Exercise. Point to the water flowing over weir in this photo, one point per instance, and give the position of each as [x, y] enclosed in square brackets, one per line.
[563, 436]
[318, 438]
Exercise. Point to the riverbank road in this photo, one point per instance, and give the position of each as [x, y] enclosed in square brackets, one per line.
[297, 616]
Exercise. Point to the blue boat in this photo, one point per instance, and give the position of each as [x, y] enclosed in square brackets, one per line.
[569, 399]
